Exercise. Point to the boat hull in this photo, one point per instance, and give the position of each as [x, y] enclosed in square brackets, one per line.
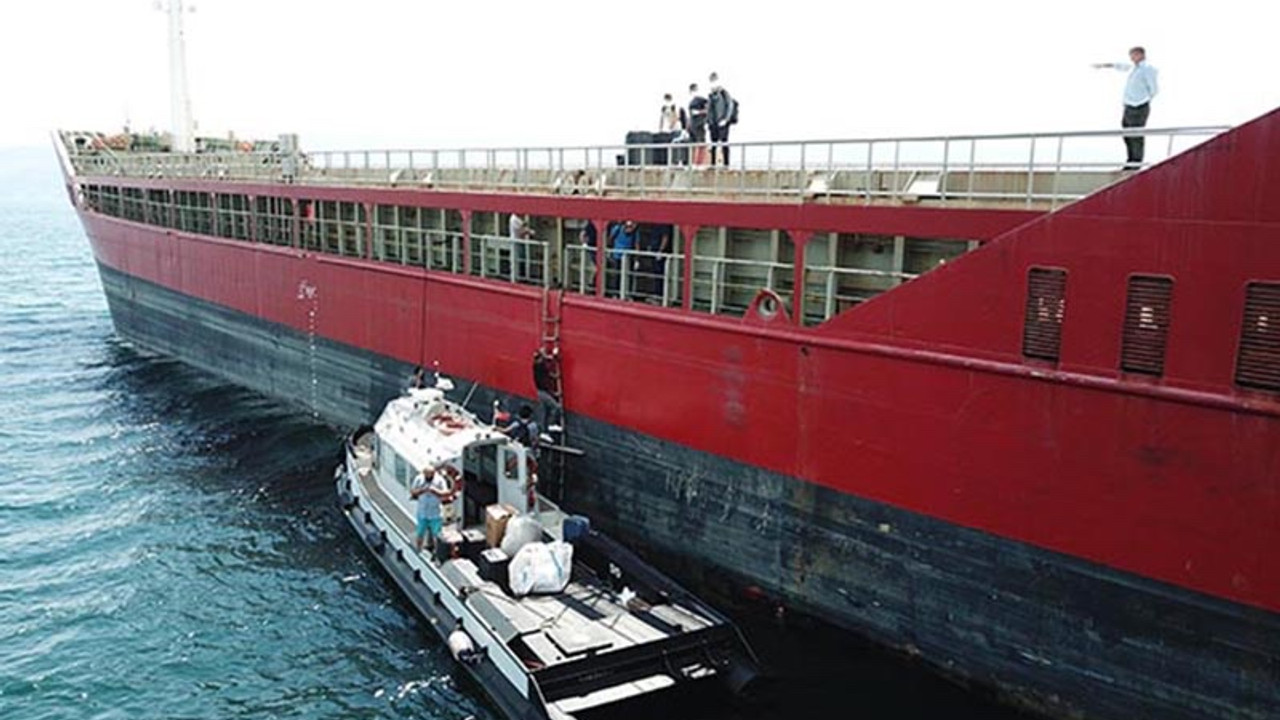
[1060, 633]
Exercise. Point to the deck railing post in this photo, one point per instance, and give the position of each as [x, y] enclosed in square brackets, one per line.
[897, 159]
[800, 186]
[624, 280]
[973, 150]
[715, 284]
[829, 302]
[1057, 173]
[871, 152]
[1031, 171]
[942, 176]
[768, 168]
[668, 258]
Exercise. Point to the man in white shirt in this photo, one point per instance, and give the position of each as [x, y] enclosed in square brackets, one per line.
[1138, 92]
[518, 230]
[430, 493]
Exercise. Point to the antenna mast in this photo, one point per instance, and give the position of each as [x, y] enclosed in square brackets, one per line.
[180, 102]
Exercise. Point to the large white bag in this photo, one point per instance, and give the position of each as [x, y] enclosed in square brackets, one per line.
[541, 568]
[521, 530]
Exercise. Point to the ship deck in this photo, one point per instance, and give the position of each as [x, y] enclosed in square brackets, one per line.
[1030, 170]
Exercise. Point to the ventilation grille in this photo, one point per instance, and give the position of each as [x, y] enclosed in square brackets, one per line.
[1258, 365]
[1046, 305]
[1146, 324]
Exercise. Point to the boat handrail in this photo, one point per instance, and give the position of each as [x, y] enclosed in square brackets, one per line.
[1033, 168]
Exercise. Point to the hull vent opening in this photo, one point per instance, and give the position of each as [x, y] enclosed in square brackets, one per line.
[1146, 324]
[1258, 361]
[1046, 307]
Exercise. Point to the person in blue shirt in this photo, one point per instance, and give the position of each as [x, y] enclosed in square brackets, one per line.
[1139, 90]
[622, 240]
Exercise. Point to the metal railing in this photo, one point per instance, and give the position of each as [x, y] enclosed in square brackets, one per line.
[637, 275]
[830, 301]
[1031, 168]
[430, 248]
[518, 261]
[721, 283]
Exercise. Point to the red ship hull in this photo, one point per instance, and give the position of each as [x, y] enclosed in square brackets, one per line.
[1091, 539]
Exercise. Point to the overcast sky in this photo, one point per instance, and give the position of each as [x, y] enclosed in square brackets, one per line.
[418, 73]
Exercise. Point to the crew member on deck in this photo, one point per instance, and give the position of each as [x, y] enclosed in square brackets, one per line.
[721, 113]
[524, 429]
[697, 125]
[669, 117]
[418, 380]
[1139, 90]
[623, 240]
[429, 494]
[519, 232]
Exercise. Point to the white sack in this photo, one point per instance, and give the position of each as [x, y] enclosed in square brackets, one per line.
[541, 568]
[521, 530]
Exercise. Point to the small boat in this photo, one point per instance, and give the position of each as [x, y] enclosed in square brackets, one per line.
[552, 618]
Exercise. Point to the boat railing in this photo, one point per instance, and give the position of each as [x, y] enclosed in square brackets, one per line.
[1027, 168]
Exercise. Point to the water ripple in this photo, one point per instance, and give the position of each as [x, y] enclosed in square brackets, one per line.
[168, 544]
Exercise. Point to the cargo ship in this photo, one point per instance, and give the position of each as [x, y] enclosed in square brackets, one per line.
[993, 401]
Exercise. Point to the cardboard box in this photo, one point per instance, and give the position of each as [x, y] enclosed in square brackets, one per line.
[495, 523]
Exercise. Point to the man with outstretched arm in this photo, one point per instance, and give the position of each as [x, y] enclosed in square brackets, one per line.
[1139, 90]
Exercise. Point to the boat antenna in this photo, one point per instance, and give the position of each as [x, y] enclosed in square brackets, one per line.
[474, 384]
[179, 101]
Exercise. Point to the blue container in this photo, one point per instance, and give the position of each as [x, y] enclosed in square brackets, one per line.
[575, 527]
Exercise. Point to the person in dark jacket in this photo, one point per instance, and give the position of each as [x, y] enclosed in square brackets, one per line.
[697, 124]
[523, 429]
[546, 379]
[720, 115]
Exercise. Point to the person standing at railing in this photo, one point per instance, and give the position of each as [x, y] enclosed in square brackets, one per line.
[587, 240]
[698, 125]
[655, 242]
[669, 117]
[722, 112]
[672, 122]
[622, 241]
[1139, 90]
[519, 232]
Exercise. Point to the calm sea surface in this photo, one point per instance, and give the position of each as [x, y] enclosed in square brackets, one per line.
[170, 548]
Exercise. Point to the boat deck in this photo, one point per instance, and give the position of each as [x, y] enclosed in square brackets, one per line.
[567, 639]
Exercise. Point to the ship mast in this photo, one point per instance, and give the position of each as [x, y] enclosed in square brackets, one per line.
[180, 102]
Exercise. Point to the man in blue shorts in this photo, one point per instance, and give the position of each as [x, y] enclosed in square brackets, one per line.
[429, 494]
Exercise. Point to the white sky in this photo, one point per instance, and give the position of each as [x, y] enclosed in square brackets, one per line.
[422, 73]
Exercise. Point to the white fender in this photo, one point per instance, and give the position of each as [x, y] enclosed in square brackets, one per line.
[461, 646]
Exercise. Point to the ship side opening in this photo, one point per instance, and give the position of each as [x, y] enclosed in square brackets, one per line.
[616, 258]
